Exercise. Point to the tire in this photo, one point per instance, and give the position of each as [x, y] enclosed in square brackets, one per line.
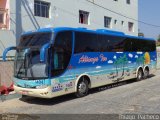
[146, 73]
[139, 75]
[82, 88]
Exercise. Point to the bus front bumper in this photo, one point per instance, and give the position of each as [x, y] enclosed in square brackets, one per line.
[41, 93]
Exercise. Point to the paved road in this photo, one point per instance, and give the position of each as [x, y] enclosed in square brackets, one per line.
[133, 97]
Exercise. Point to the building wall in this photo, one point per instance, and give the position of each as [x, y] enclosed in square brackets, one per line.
[6, 73]
[66, 13]
[4, 3]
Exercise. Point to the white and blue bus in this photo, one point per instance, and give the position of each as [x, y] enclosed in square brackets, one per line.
[52, 62]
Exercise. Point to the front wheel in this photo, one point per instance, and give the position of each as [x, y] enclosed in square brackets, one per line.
[139, 75]
[82, 88]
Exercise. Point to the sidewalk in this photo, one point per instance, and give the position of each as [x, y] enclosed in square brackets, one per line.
[10, 96]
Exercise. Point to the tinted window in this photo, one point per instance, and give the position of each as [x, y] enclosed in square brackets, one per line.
[64, 41]
[152, 45]
[134, 45]
[85, 42]
[110, 43]
[89, 42]
[61, 53]
[37, 39]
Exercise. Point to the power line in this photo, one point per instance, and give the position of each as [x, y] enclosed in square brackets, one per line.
[122, 14]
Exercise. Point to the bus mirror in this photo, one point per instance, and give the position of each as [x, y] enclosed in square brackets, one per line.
[6, 51]
[43, 52]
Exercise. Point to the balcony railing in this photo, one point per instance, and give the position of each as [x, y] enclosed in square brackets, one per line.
[4, 21]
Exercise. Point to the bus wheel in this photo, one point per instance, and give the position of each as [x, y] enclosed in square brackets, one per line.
[146, 73]
[82, 88]
[24, 96]
[139, 75]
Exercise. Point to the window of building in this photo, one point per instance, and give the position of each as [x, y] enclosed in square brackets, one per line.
[115, 22]
[1, 18]
[107, 22]
[128, 1]
[122, 22]
[83, 17]
[41, 8]
[130, 27]
[4, 18]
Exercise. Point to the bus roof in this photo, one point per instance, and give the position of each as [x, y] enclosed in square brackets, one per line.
[98, 31]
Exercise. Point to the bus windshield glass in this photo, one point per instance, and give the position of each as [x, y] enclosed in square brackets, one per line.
[36, 39]
[27, 61]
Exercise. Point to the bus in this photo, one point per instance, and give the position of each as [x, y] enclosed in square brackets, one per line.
[51, 62]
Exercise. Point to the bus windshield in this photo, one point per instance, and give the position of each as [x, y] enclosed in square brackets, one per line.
[35, 39]
[27, 63]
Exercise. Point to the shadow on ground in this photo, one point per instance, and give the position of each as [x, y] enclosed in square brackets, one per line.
[64, 98]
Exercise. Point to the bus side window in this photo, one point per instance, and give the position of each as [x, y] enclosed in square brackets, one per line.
[61, 53]
[55, 60]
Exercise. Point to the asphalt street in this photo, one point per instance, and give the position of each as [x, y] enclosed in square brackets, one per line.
[131, 97]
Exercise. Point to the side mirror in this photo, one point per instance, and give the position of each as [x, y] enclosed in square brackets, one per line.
[43, 52]
[6, 51]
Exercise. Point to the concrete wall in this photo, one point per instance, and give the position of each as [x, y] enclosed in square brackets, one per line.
[66, 13]
[4, 4]
[6, 73]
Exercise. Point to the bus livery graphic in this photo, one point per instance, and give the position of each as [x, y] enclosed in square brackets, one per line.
[57, 61]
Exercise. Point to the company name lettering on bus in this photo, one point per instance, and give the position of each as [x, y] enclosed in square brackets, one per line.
[57, 88]
[86, 59]
[103, 58]
[40, 82]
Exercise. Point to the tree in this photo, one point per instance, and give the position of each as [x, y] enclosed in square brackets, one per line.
[140, 61]
[116, 65]
[121, 63]
[124, 62]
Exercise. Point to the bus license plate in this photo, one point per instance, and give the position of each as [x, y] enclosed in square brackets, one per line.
[24, 92]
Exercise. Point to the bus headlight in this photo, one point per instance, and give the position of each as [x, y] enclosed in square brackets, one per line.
[41, 87]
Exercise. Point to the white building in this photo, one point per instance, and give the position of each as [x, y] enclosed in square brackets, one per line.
[17, 16]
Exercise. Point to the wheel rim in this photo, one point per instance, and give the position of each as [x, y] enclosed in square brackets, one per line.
[82, 88]
[139, 75]
[146, 73]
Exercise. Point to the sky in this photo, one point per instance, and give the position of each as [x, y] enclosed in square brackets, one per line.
[149, 12]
